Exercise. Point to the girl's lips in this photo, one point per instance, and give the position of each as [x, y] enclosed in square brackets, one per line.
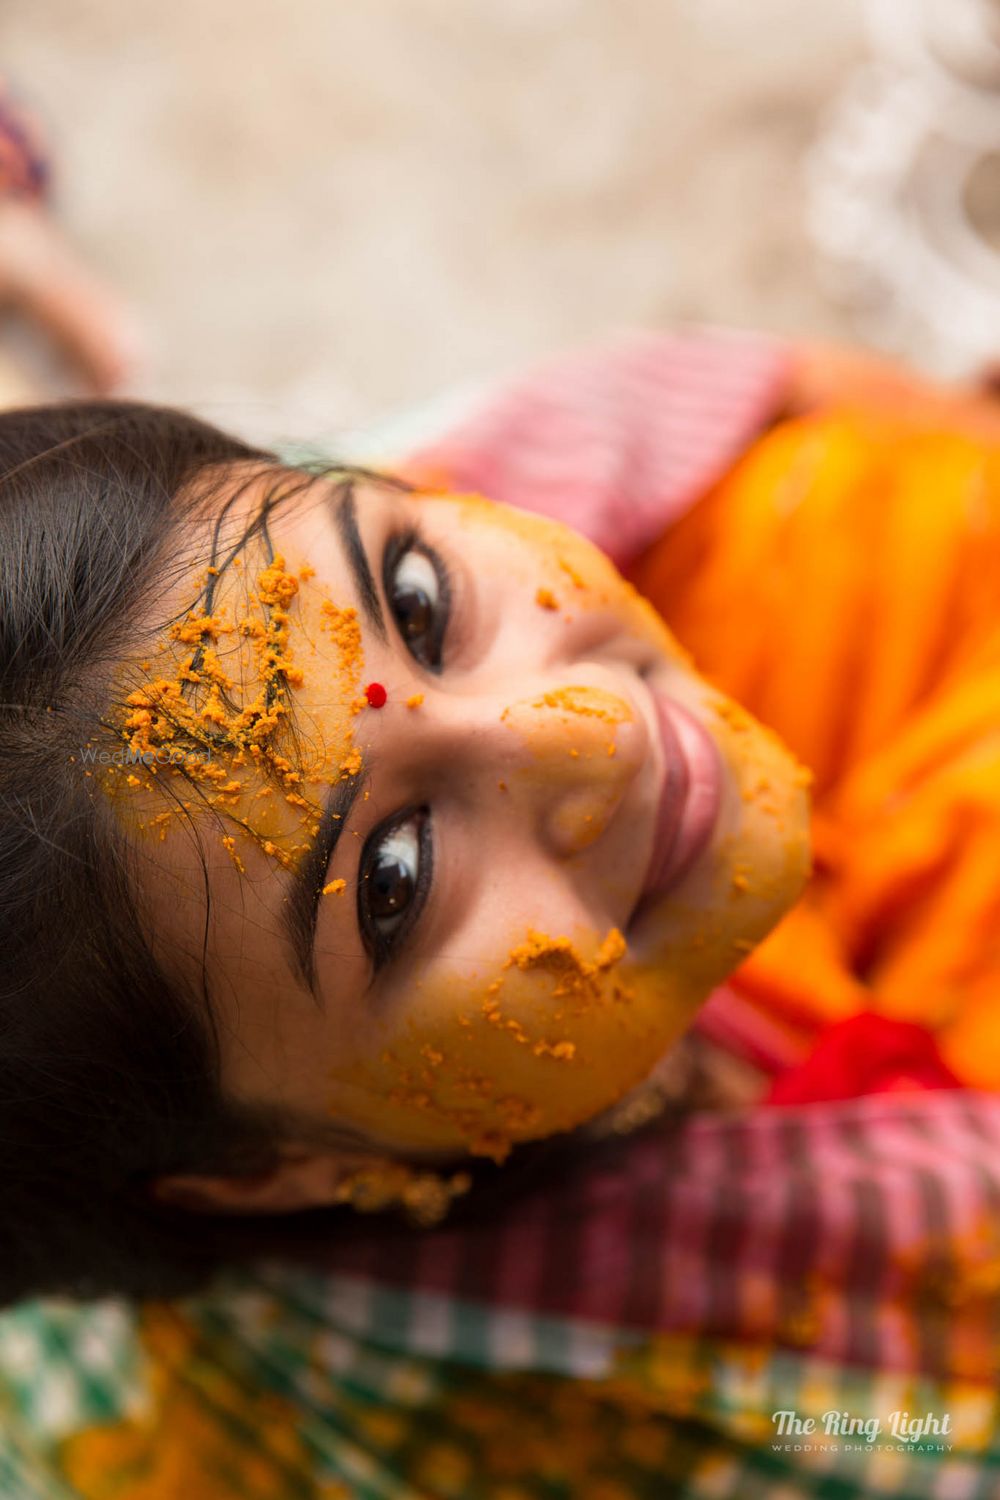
[689, 797]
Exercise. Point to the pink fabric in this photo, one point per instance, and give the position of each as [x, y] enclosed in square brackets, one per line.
[730, 1021]
[619, 441]
[865, 1230]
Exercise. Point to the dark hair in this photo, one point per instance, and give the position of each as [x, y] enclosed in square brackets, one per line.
[108, 1074]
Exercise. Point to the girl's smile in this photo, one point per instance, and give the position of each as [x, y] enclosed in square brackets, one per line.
[688, 803]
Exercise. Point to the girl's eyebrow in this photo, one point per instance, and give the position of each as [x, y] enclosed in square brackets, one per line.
[345, 518]
[301, 905]
[305, 889]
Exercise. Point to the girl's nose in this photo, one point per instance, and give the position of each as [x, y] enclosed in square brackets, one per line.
[562, 756]
[571, 754]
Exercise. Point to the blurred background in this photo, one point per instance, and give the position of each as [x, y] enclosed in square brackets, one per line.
[325, 212]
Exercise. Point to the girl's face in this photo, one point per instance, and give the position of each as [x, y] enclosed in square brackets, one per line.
[481, 912]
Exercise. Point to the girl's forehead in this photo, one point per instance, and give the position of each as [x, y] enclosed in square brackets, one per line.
[242, 713]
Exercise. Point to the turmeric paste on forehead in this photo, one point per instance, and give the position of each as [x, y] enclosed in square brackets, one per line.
[199, 721]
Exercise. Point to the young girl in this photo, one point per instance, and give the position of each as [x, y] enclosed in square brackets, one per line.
[361, 833]
[380, 823]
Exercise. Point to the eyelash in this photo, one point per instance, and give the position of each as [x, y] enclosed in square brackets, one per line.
[383, 946]
[412, 539]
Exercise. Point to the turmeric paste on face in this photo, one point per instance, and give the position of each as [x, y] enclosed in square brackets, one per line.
[483, 1040]
[199, 723]
[457, 1073]
[587, 702]
[573, 975]
[573, 978]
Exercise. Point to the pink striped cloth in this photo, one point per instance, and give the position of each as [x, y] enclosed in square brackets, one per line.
[616, 441]
[867, 1231]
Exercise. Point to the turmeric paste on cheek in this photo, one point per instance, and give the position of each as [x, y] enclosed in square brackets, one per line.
[559, 567]
[563, 1028]
[566, 572]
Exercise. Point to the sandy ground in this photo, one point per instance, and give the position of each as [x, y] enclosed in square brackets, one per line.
[326, 210]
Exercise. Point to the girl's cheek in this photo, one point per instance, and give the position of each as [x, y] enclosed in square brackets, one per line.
[558, 1032]
[561, 1027]
[770, 857]
[559, 570]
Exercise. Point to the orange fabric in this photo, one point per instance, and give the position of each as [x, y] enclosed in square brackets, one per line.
[843, 582]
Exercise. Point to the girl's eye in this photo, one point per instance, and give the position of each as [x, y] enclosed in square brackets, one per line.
[393, 881]
[416, 587]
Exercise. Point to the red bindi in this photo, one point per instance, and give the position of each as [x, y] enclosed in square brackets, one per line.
[376, 695]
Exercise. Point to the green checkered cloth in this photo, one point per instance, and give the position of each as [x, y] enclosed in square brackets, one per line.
[628, 1331]
[287, 1384]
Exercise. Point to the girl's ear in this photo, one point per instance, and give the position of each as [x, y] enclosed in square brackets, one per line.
[304, 1177]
